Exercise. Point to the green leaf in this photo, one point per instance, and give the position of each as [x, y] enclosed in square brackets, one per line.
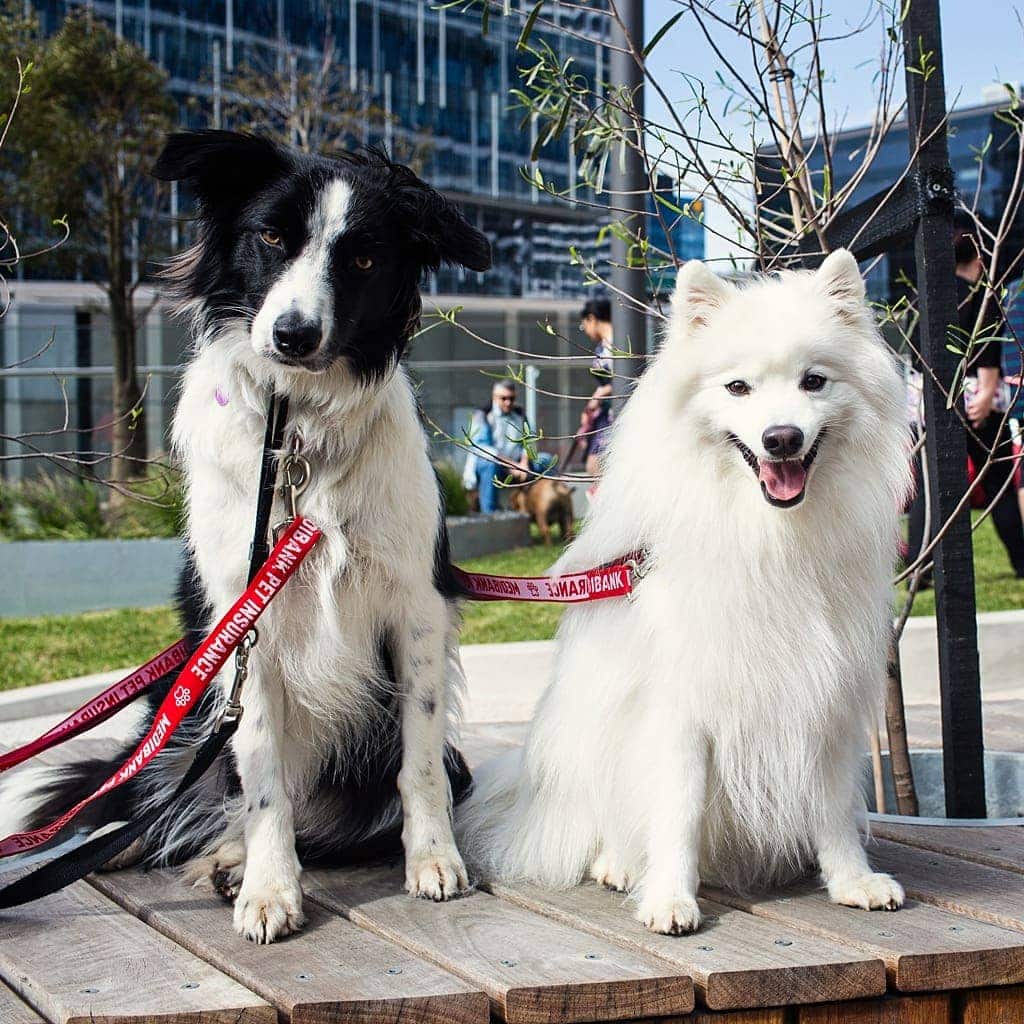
[524, 36]
[661, 31]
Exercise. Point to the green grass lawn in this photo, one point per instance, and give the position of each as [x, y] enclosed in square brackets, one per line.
[996, 587]
[38, 650]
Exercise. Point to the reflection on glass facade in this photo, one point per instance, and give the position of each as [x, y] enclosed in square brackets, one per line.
[983, 152]
[443, 82]
[446, 87]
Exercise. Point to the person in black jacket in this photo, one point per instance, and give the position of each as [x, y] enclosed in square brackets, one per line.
[987, 432]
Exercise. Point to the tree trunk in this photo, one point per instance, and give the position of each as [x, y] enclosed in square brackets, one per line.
[128, 434]
[896, 726]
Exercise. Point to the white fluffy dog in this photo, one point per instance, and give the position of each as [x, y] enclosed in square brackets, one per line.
[712, 727]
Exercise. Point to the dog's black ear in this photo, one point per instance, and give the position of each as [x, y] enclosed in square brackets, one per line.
[438, 226]
[220, 165]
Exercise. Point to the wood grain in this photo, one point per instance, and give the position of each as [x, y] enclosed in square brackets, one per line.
[992, 1006]
[763, 1016]
[973, 890]
[533, 969]
[737, 961]
[331, 971]
[930, 1009]
[80, 959]
[998, 847]
[924, 948]
[14, 1011]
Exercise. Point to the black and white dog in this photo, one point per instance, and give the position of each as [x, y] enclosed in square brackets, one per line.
[305, 279]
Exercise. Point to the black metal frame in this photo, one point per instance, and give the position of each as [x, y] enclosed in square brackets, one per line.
[921, 207]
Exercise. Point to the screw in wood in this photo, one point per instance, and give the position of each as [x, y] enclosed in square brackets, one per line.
[783, 942]
[88, 991]
[591, 956]
[303, 976]
[705, 949]
[191, 984]
[394, 970]
[508, 963]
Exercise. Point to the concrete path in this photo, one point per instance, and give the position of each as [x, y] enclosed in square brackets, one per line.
[504, 682]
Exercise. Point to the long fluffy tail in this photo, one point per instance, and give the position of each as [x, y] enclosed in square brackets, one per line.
[513, 827]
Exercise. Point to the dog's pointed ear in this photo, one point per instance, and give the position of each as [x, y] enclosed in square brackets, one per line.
[839, 278]
[219, 166]
[439, 229]
[699, 292]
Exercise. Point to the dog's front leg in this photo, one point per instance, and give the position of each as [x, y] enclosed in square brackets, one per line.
[269, 902]
[844, 865]
[668, 888]
[433, 867]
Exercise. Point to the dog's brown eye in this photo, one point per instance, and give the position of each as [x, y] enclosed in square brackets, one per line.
[271, 238]
[739, 388]
[363, 262]
[812, 382]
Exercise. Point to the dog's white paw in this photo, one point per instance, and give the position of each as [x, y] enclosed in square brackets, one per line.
[869, 892]
[436, 876]
[610, 872]
[265, 913]
[676, 916]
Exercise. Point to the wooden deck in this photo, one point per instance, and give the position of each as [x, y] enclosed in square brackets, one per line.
[134, 947]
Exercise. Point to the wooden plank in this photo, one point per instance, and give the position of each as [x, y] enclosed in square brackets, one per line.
[80, 959]
[992, 1006]
[14, 1011]
[924, 948]
[998, 847]
[973, 890]
[533, 969]
[330, 971]
[930, 1009]
[737, 961]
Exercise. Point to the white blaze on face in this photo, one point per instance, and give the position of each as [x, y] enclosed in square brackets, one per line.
[305, 283]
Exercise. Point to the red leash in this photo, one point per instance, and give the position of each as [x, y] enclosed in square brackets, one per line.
[288, 553]
[606, 581]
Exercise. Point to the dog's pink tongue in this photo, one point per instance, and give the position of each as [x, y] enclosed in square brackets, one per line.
[783, 480]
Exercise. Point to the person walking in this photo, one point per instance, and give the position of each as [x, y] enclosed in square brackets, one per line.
[598, 414]
[985, 393]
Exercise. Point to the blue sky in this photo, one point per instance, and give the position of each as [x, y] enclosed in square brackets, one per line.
[983, 42]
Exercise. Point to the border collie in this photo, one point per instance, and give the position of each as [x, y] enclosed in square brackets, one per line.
[304, 279]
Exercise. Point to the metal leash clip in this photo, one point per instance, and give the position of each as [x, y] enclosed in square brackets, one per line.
[296, 473]
[232, 710]
[639, 567]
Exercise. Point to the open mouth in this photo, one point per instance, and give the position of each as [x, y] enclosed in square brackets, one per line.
[783, 481]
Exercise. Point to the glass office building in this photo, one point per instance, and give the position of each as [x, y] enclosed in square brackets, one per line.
[443, 87]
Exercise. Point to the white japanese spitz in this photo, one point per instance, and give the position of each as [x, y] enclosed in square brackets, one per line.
[711, 728]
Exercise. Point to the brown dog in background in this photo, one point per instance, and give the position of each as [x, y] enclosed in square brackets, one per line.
[548, 502]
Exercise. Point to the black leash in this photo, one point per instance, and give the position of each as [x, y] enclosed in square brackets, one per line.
[95, 852]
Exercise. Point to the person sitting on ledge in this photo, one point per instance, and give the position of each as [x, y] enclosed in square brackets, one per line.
[499, 457]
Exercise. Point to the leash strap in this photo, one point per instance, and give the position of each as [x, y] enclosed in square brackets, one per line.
[295, 543]
[615, 580]
[124, 691]
[103, 705]
[204, 664]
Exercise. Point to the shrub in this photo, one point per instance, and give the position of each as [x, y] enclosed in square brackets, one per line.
[456, 501]
[67, 508]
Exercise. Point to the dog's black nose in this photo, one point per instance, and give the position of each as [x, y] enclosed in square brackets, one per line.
[782, 442]
[296, 336]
